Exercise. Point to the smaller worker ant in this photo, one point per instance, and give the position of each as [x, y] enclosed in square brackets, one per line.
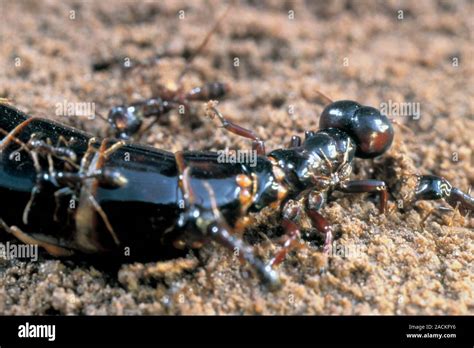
[126, 121]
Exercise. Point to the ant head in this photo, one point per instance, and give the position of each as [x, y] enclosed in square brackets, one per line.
[372, 131]
[125, 121]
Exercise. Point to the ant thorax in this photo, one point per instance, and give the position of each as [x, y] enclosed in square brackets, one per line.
[323, 160]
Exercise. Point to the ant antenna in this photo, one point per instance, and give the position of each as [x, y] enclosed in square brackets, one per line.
[324, 97]
[401, 125]
[204, 42]
[101, 117]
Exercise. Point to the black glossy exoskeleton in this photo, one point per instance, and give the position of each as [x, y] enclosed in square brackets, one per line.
[431, 187]
[69, 192]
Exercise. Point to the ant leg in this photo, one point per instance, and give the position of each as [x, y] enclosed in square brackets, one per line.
[184, 178]
[88, 155]
[23, 146]
[103, 154]
[198, 50]
[51, 173]
[145, 130]
[220, 234]
[323, 227]
[84, 172]
[462, 201]
[65, 191]
[292, 232]
[38, 146]
[106, 177]
[26, 212]
[362, 186]
[204, 42]
[88, 204]
[257, 143]
[314, 203]
[259, 147]
[65, 149]
[426, 216]
[12, 135]
[218, 230]
[324, 97]
[51, 169]
[36, 189]
[291, 212]
[52, 249]
[63, 141]
[295, 141]
[106, 154]
[104, 217]
[161, 107]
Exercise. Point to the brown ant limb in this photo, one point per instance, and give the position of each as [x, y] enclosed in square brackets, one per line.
[257, 144]
[101, 117]
[324, 97]
[210, 109]
[203, 43]
[401, 125]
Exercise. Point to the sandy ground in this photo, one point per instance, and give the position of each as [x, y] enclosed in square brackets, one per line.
[54, 52]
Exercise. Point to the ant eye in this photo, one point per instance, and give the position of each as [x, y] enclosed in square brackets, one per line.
[124, 120]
